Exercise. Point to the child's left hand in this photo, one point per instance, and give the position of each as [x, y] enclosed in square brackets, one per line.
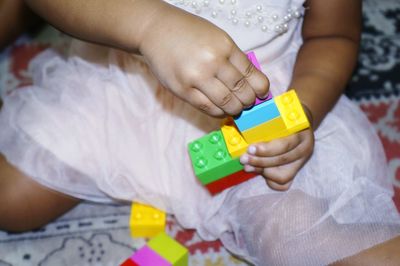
[279, 160]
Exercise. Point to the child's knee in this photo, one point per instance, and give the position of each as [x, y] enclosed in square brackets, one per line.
[26, 205]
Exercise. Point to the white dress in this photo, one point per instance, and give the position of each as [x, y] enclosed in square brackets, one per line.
[98, 126]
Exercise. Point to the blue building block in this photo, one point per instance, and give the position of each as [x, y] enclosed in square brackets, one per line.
[258, 114]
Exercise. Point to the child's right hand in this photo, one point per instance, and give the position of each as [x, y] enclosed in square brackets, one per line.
[200, 63]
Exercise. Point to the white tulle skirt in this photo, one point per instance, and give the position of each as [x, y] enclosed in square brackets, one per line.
[100, 127]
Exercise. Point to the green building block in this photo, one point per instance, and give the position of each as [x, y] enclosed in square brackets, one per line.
[211, 159]
[169, 249]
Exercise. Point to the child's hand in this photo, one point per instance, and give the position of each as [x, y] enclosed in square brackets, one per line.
[279, 160]
[200, 63]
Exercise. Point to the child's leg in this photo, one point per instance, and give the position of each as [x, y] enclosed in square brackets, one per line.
[15, 18]
[287, 229]
[387, 253]
[26, 205]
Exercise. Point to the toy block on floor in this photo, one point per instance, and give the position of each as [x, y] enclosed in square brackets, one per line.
[211, 159]
[256, 115]
[148, 257]
[146, 221]
[129, 262]
[229, 181]
[169, 249]
[233, 139]
[292, 112]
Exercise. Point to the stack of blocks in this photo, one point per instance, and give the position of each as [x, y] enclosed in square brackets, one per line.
[215, 157]
[162, 250]
[146, 221]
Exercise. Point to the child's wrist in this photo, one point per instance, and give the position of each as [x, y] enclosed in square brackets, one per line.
[309, 114]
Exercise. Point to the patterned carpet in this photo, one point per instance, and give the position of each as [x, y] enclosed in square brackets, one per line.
[98, 234]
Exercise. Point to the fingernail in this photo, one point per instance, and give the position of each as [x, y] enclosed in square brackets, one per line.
[252, 149]
[249, 168]
[244, 159]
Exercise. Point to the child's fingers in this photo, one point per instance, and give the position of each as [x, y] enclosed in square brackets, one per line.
[272, 161]
[201, 101]
[282, 174]
[257, 80]
[237, 83]
[275, 186]
[274, 147]
[221, 96]
[276, 178]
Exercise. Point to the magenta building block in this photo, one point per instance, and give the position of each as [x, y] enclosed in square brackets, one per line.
[148, 257]
[252, 57]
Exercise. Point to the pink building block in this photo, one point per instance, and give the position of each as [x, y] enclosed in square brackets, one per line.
[148, 257]
[252, 57]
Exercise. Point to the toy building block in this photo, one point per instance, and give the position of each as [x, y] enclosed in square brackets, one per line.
[258, 114]
[292, 112]
[210, 158]
[229, 181]
[146, 221]
[233, 139]
[291, 119]
[252, 57]
[129, 262]
[169, 249]
[148, 257]
[266, 131]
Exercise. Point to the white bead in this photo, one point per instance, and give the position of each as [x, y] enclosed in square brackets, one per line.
[278, 28]
[247, 23]
[248, 14]
[206, 3]
[235, 21]
[260, 18]
[259, 8]
[297, 14]
[221, 2]
[285, 27]
[214, 14]
[286, 18]
[274, 17]
[289, 16]
[233, 2]
[194, 4]
[264, 28]
[233, 12]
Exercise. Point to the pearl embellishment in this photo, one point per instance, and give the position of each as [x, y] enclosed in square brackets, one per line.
[267, 18]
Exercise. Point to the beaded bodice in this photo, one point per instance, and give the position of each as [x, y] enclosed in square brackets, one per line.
[265, 16]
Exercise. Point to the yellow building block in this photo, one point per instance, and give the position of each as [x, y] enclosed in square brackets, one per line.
[291, 111]
[146, 221]
[233, 139]
[267, 131]
[291, 120]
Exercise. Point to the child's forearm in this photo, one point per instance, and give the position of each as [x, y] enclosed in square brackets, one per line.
[326, 60]
[119, 24]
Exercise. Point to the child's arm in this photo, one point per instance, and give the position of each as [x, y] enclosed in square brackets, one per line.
[325, 62]
[190, 56]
